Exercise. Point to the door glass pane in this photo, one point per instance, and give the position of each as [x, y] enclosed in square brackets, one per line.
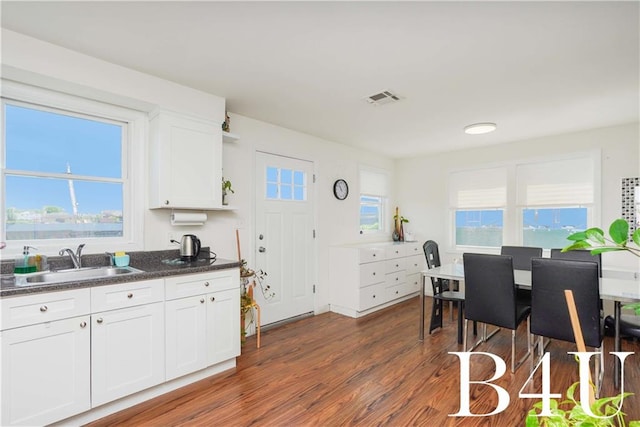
[42, 141]
[44, 208]
[479, 228]
[549, 227]
[286, 184]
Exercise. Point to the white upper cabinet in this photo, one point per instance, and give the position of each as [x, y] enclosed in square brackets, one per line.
[185, 162]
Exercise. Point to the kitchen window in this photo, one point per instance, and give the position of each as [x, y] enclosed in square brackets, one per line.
[66, 173]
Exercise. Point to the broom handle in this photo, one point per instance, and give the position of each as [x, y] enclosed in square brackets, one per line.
[577, 333]
[238, 244]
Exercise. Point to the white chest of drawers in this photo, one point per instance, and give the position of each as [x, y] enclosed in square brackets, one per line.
[364, 278]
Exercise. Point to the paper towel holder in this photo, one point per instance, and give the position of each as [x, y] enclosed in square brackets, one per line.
[188, 218]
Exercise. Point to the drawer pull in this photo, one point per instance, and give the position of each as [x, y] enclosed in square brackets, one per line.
[83, 324]
[397, 278]
[213, 299]
[397, 265]
[201, 300]
[206, 283]
[374, 295]
[374, 273]
[396, 292]
[374, 255]
[44, 308]
[129, 295]
[99, 320]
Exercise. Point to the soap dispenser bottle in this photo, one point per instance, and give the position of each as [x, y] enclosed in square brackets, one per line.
[22, 262]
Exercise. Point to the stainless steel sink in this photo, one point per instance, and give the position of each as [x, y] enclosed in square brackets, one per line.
[74, 275]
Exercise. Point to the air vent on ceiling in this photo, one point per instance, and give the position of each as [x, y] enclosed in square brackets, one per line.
[382, 98]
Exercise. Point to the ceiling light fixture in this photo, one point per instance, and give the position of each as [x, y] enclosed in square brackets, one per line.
[480, 128]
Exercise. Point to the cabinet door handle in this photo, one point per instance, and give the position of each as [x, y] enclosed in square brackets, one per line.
[213, 299]
[99, 320]
[206, 283]
[129, 295]
[44, 308]
[201, 300]
[83, 324]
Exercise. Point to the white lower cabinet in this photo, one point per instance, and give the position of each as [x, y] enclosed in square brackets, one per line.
[202, 329]
[45, 372]
[65, 353]
[45, 357]
[127, 351]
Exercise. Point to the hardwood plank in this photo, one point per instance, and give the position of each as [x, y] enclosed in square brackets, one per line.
[332, 370]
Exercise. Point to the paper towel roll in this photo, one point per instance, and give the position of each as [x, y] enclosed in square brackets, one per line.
[188, 218]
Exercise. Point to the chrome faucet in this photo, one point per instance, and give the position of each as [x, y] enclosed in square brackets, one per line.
[111, 260]
[76, 258]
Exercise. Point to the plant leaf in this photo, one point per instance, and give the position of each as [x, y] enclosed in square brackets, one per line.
[636, 236]
[580, 244]
[619, 231]
[580, 235]
[595, 235]
[597, 251]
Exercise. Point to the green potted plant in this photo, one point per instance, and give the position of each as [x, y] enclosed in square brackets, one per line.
[226, 187]
[398, 232]
[594, 240]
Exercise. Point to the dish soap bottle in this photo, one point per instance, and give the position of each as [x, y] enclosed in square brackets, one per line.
[22, 262]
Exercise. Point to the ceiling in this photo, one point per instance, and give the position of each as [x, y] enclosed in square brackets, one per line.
[534, 68]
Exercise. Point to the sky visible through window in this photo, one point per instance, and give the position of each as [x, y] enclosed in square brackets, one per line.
[41, 141]
[43, 151]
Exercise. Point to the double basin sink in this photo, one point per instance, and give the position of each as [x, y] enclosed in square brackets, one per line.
[73, 275]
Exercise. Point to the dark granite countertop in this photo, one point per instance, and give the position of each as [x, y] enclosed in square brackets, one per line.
[153, 264]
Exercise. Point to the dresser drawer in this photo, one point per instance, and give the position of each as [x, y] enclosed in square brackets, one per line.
[396, 291]
[371, 296]
[395, 251]
[413, 248]
[415, 264]
[44, 307]
[414, 281]
[201, 283]
[371, 254]
[371, 273]
[397, 264]
[396, 278]
[112, 297]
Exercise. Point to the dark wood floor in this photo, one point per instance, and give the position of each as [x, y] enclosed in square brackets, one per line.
[331, 370]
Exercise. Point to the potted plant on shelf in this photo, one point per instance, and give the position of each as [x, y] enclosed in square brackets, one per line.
[226, 187]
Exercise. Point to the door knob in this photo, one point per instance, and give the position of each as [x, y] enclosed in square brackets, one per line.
[262, 249]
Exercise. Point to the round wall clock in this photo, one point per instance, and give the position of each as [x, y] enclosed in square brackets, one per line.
[340, 189]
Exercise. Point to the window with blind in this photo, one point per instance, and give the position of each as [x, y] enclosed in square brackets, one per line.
[525, 203]
[478, 199]
[374, 188]
[555, 199]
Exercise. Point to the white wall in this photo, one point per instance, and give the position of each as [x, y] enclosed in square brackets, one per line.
[422, 182]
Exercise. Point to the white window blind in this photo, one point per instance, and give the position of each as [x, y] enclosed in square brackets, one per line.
[555, 183]
[480, 188]
[373, 183]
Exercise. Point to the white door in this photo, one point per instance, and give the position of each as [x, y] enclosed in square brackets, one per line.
[284, 236]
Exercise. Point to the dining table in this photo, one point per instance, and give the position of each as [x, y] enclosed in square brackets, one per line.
[621, 287]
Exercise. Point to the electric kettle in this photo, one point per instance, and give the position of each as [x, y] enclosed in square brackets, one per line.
[189, 247]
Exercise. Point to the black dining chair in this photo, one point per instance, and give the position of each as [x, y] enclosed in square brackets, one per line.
[490, 298]
[579, 255]
[522, 256]
[441, 288]
[549, 312]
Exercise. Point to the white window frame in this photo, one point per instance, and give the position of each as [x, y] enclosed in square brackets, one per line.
[380, 190]
[133, 169]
